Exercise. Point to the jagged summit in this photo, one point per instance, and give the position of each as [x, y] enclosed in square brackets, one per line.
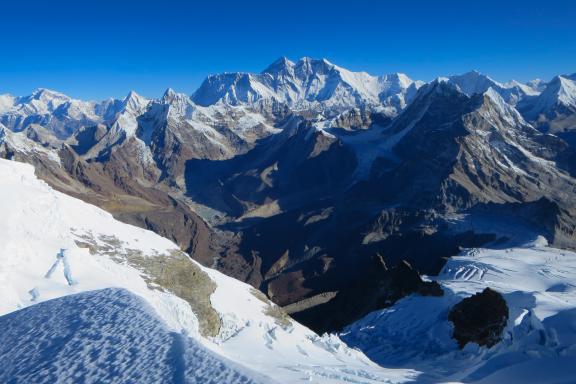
[133, 102]
[169, 94]
[557, 98]
[282, 63]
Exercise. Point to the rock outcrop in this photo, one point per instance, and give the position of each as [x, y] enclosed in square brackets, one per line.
[380, 288]
[480, 318]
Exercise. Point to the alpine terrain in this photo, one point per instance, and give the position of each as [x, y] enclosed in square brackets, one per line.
[304, 223]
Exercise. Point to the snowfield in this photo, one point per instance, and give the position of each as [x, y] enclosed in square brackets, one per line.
[539, 342]
[109, 336]
[54, 246]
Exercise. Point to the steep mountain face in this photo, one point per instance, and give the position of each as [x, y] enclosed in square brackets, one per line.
[453, 153]
[294, 178]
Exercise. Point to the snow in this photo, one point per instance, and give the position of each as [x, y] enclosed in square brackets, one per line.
[6, 102]
[40, 261]
[133, 106]
[537, 84]
[46, 343]
[20, 143]
[38, 222]
[505, 110]
[372, 143]
[474, 82]
[306, 84]
[305, 356]
[538, 285]
[560, 91]
[567, 94]
[53, 110]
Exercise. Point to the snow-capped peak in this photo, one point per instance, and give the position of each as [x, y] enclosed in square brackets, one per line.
[528, 89]
[474, 82]
[560, 92]
[48, 95]
[135, 103]
[307, 84]
[282, 64]
[439, 86]
[42, 101]
[566, 91]
[169, 94]
[537, 84]
[125, 121]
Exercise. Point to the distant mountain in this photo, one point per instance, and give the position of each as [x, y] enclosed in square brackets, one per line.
[559, 96]
[56, 111]
[308, 84]
[474, 82]
[554, 110]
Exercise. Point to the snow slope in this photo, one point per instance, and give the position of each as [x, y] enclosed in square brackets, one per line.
[52, 245]
[539, 342]
[47, 343]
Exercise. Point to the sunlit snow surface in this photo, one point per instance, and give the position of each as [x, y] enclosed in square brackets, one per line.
[539, 346]
[106, 336]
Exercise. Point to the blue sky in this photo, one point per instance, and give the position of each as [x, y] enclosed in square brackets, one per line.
[96, 49]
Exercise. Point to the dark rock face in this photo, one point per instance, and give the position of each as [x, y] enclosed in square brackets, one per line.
[480, 318]
[381, 287]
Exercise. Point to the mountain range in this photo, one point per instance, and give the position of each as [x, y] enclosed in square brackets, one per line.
[303, 151]
[334, 193]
